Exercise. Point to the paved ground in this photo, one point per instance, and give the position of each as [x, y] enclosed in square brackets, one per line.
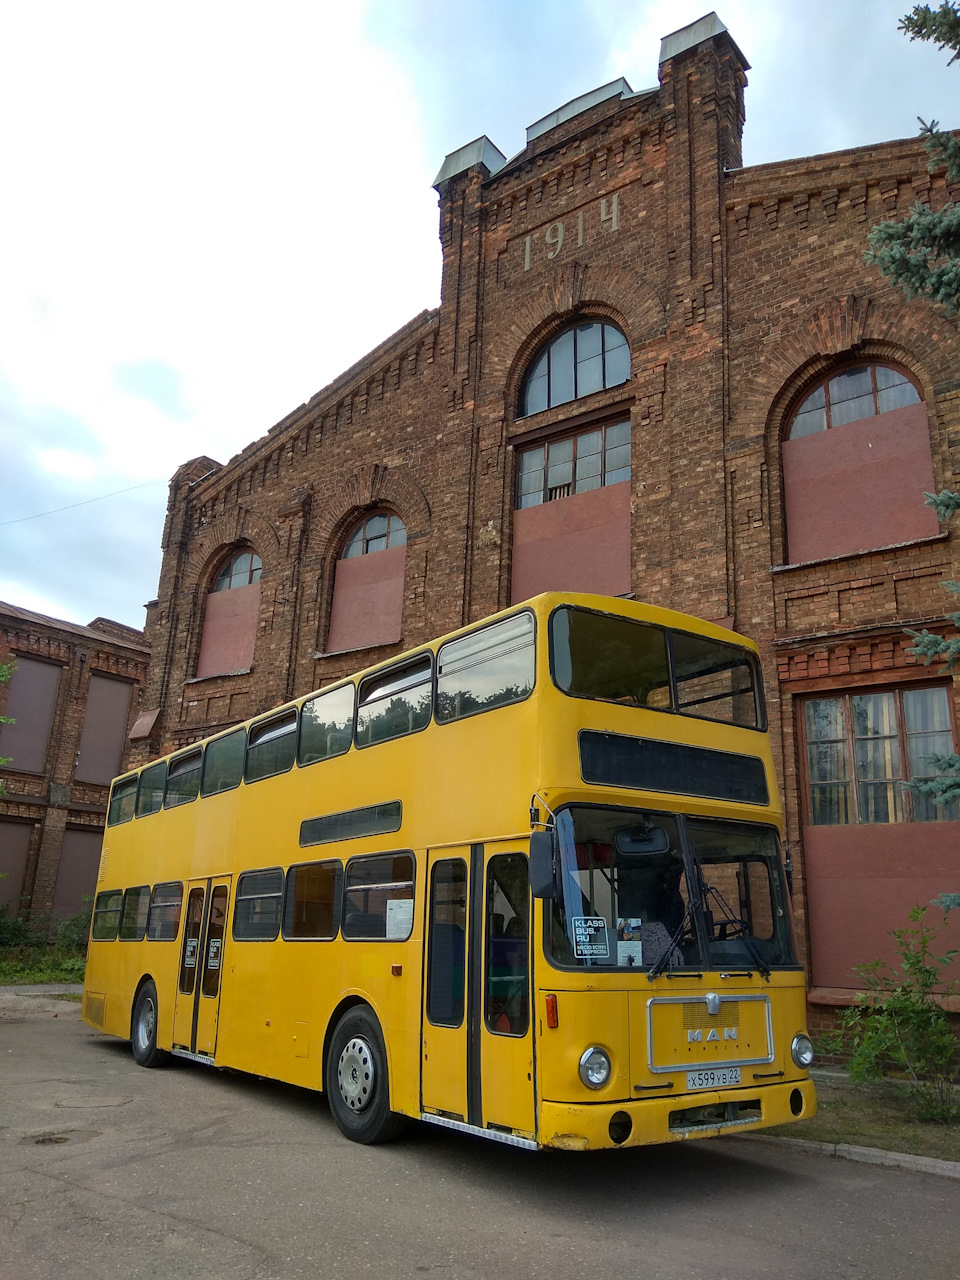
[110, 1170]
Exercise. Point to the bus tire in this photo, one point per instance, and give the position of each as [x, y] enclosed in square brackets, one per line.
[143, 1028]
[357, 1083]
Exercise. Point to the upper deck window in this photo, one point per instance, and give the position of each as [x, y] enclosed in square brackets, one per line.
[615, 659]
[271, 747]
[123, 800]
[586, 357]
[486, 669]
[395, 702]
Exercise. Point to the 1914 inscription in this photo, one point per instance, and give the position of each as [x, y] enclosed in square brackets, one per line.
[573, 230]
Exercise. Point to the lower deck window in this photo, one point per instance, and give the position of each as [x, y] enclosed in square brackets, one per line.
[106, 915]
[257, 912]
[378, 897]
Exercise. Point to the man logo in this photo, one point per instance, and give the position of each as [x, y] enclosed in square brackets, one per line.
[697, 1037]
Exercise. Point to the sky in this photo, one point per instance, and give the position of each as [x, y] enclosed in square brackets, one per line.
[212, 209]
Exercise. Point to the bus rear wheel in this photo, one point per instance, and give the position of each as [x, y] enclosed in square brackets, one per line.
[143, 1028]
[357, 1084]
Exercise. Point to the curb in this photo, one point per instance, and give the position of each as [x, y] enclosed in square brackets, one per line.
[47, 989]
[865, 1155]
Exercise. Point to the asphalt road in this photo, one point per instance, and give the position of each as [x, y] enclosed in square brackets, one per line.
[109, 1170]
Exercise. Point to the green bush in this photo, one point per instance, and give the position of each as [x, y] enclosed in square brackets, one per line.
[36, 951]
[900, 1025]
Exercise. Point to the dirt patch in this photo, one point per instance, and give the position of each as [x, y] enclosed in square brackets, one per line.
[19, 1006]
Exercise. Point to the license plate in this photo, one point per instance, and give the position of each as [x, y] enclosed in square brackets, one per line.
[713, 1077]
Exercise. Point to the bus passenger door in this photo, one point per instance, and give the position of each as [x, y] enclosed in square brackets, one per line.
[505, 1031]
[201, 963]
[444, 1050]
[477, 1064]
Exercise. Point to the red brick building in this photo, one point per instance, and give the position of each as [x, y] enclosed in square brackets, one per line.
[655, 372]
[74, 697]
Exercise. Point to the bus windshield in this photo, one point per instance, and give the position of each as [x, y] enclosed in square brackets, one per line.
[662, 892]
[617, 659]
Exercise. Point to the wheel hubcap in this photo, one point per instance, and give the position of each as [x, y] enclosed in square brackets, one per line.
[356, 1074]
[148, 1020]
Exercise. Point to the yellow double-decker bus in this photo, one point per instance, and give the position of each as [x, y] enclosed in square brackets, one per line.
[523, 882]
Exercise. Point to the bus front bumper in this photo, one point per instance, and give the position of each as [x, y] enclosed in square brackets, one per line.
[707, 1114]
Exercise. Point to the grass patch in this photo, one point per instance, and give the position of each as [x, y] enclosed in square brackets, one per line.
[28, 966]
[872, 1116]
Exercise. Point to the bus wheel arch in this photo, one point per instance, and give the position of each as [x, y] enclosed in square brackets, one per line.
[356, 1077]
[144, 1016]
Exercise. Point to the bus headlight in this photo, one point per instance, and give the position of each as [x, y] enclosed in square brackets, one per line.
[594, 1067]
[802, 1050]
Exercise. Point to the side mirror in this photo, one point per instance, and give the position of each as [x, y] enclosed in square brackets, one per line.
[542, 880]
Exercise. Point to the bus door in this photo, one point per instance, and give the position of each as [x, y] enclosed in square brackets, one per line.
[201, 963]
[478, 1044]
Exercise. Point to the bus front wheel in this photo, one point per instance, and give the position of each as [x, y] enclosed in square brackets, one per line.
[357, 1083]
[143, 1029]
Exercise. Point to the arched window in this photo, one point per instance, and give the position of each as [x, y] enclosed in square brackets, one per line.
[864, 391]
[856, 464]
[376, 533]
[367, 608]
[239, 571]
[231, 615]
[587, 357]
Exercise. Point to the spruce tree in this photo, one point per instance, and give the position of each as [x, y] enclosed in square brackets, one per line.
[921, 255]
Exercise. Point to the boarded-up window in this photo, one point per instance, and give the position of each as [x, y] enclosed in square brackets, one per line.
[14, 851]
[859, 486]
[31, 702]
[367, 600]
[77, 873]
[229, 631]
[581, 543]
[104, 730]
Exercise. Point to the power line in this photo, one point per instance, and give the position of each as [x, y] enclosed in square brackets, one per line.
[86, 502]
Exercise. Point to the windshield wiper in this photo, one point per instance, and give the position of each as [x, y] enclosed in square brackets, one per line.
[714, 893]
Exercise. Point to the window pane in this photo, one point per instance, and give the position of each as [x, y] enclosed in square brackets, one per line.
[613, 659]
[590, 375]
[589, 340]
[272, 747]
[830, 804]
[376, 544]
[560, 464]
[618, 457]
[256, 569]
[507, 998]
[486, 669]
[257, 913]
[878, 758]
[827, 761]
[216, 928]
[612, 338]
[894, 390]
[106, 915]
[616, 365]
[880, 802]
[351, 824]
[376, 526]
[150, 794]
[448, 929]
[163, 922]
[825, 720]
[223, 763]
[617, 433]
[354, 545]
[123, 801]
[807, 422]
[926, 710]
[714, 680]
[561, 369]
[312, 903]
[183, 779]
[398, 532]
[394, 703]
[531, 460]
[874, 715]
[378, 897]
[133, 920]
[191, 941]
[535, 395]
[326, 725]
[850, 385]
[851, 410]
